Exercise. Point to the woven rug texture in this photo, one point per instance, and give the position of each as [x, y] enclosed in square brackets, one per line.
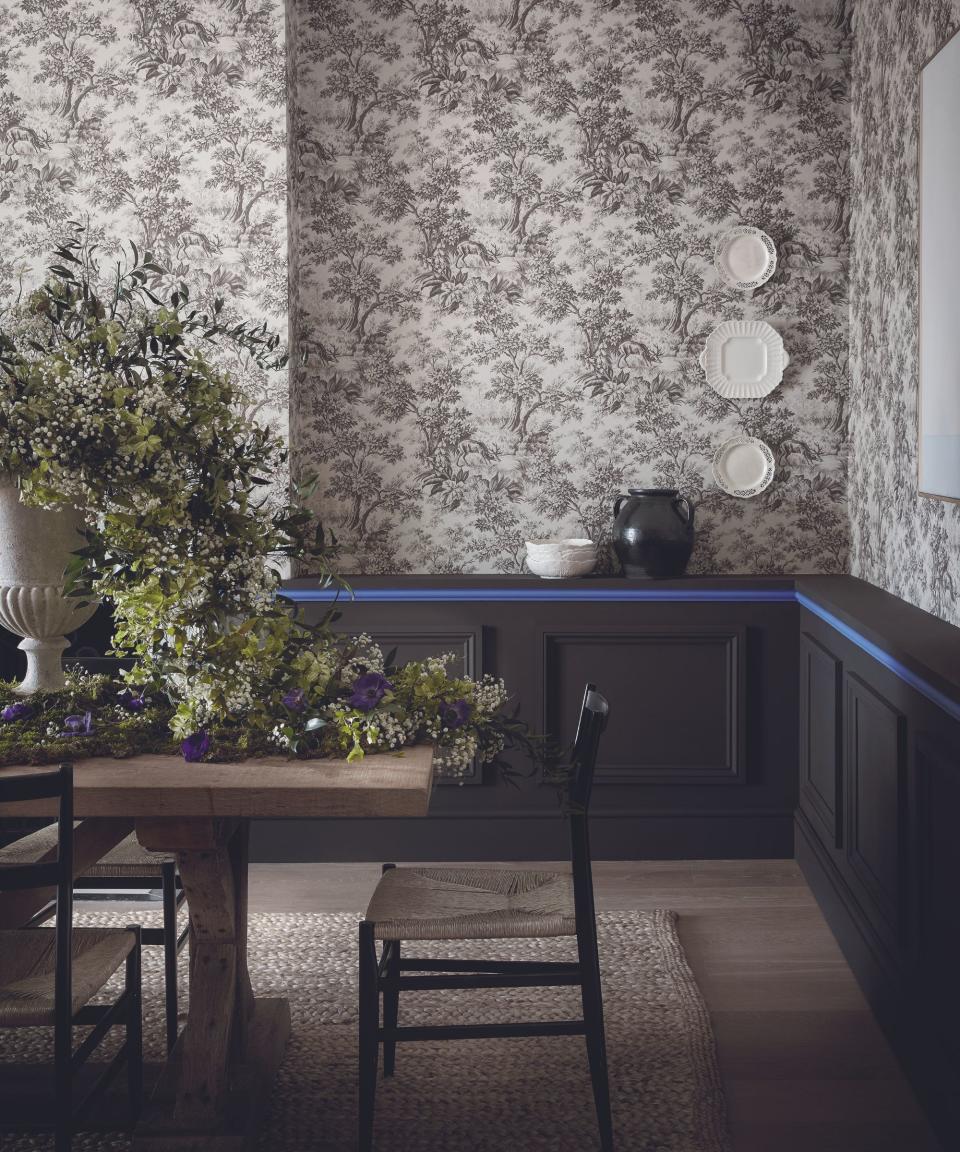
[462, 1096]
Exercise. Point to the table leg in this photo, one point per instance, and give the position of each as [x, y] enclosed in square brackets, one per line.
[219, 1073]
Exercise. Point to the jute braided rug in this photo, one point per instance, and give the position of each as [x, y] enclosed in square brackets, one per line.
[466, 1096]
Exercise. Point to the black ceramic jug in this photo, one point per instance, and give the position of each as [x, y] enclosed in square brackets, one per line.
[653, 532]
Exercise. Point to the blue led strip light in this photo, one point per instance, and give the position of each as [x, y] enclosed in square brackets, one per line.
[951, 707]
[650, 595]
[441, 595]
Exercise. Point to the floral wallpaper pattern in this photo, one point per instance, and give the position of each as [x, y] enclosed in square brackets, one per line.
[900, 541]
[160, 121]
[504, 216]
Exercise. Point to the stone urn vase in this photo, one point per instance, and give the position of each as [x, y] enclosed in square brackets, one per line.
[35, 547]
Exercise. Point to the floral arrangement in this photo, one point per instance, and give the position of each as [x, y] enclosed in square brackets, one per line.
[349, 702]
[110, 401]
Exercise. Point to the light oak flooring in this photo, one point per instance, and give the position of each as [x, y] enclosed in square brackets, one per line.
[805, 1066]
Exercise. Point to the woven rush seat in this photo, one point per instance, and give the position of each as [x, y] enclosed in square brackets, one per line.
[471, 904]
[128, 858]
[28, 964]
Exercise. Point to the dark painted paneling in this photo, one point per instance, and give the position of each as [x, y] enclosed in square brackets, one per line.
[890, 896]
[676, 700]
[678, 812]
[821, 778]
[874, 764]
[938, 792]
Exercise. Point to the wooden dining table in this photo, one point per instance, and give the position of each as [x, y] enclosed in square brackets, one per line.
[215, 1084]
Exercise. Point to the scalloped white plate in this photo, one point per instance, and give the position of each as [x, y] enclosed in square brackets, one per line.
[745, 258]
[743, 467]
[744, 358]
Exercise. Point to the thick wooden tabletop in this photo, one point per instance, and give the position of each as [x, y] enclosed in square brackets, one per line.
[167, 786]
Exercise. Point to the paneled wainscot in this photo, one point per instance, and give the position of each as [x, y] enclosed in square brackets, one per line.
[749, 718]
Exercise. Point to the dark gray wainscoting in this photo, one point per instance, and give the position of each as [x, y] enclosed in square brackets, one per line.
[877, 818]
[700, 759]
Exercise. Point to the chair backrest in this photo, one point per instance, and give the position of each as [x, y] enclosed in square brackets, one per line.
[57, 873]
[594, 713]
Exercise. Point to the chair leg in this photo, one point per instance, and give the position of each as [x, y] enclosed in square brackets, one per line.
[134, 1036]
[596, 1041]
[391, 1004]
[369, 1028]
[170, 951]
[63, 1094]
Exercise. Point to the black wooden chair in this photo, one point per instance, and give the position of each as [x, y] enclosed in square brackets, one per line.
[49, 975]
[137, 867]
[487, 904]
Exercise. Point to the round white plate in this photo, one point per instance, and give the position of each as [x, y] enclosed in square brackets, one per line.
[744, 358]
[743, 466]
[746, 258]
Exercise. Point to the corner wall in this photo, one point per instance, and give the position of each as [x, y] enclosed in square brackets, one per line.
[901, 542]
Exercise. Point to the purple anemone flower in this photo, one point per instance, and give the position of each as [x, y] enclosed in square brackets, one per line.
[294, 700]
[369, 690]
[17, 711]
[131, 700]
[195, 747]
[79, 724]
[455, 715]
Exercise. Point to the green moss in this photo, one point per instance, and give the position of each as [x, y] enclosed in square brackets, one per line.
[40, 737]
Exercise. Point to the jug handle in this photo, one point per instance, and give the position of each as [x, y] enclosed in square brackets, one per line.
[687, 515]
[618, 504]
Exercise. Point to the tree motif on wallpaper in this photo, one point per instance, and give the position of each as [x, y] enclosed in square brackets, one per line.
[909, 545]
[162, 121]
[505, 216]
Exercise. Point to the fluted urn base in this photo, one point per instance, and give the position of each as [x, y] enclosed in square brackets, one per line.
[35, 547]
[44, 665]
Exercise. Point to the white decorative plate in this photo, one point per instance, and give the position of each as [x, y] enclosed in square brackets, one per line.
[743, 466]
[746, 258]
[744, 358]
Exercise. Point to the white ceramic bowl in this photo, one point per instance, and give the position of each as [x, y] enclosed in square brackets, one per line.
[554, 559]
[556, 567]
[561, 544]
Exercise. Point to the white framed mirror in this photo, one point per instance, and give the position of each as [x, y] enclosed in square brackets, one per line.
[939, 303]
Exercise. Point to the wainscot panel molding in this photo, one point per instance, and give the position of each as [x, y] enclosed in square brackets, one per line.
[821, 720]
[676, 699]
[876, 803]
[701, 753]
[889, 892]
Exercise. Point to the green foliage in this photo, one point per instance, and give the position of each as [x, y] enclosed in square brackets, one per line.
[111, 405]
[41, 736]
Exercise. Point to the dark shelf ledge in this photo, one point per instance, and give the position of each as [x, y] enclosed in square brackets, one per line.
[498, 588]
[911, 642]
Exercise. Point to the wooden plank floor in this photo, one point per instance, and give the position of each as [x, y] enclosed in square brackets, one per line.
[805, 1066]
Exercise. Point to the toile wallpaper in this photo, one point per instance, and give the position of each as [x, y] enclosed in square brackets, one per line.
[900, 541]
[158, 121]
[504, 216]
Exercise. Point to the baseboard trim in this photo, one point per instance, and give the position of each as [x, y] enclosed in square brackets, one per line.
[537, 837]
